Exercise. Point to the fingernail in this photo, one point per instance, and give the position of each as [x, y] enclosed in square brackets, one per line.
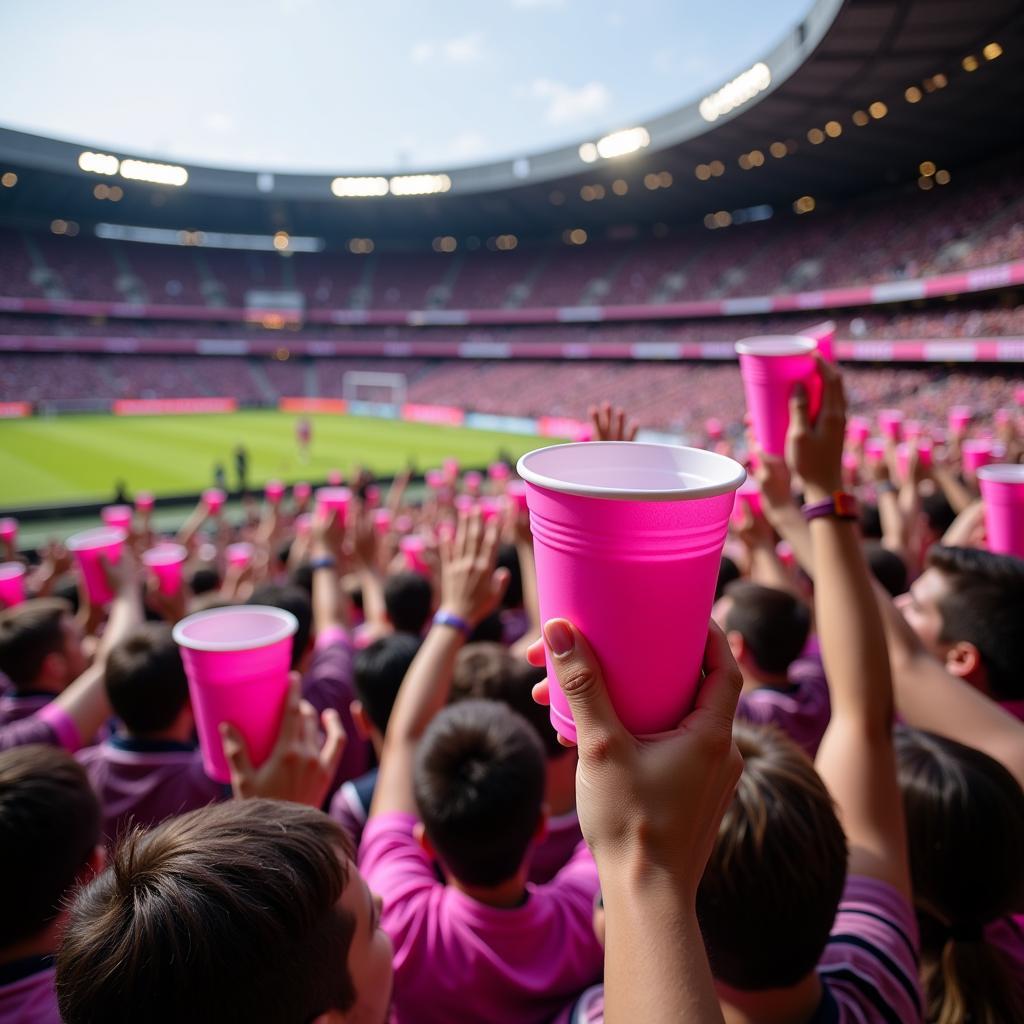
[558, 637]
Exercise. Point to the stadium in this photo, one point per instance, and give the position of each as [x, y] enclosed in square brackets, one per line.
[171, 329]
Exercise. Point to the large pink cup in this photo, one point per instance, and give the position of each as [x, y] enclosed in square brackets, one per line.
[1002, 490]
[12, 584]
[274, 491]
[87, 547]
[117, 516]
[771, 366]
[824, 336]
[214, 499]
[166, 562]
[237, 662]
[858, 429]
[239, 554]
[977, 453]
[628, 539]
[9, 530]
[144, 501]
[960, 417]
[890, 422]
[413, 548]
[333, 499]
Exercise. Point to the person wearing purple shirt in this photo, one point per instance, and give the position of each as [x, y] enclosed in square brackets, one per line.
[151, 768]
[767, 630]
[49, 835]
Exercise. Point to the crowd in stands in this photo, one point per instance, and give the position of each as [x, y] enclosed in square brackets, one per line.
[419, 847]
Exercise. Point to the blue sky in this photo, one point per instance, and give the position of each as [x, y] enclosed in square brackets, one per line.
[350, 85]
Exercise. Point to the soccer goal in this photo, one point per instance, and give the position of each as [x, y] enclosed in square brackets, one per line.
[373, 391]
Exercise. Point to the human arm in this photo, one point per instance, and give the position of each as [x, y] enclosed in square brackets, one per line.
[330, 603]
[470, 589]
[191, 527]
[765, 566]
[780, 508]
[856, 759]
[366, 548]
[650, 810]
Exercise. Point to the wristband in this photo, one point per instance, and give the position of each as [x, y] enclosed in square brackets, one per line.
[324, 562]
[840, 506]
[443, 618]
[885, 487]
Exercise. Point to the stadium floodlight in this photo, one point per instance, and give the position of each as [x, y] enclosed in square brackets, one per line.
[740, 90]
[359, 188]
[622, 143]
[419, 184]
[158, 174]
[98, 163]
[588, 152]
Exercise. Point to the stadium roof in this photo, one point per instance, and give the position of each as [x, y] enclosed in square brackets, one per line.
[857, 97]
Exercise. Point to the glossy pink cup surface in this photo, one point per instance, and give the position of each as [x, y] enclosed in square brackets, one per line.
[960, 417]
[628, 539]
[334, 499]
[239, 554]
[301, 492]
[977, 453]
[117, 516]
[87, 547]
[144, 501]
[12, 584]
[1002, 491]
[858, 429]
[237, 661]
[214, 499]
[890, 423]
[166, 562]
[8, 529]
[412, 548]
[770, 367]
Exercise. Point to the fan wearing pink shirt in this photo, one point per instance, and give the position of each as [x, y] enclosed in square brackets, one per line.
[151, 768]
[49, 836]
[465, 785]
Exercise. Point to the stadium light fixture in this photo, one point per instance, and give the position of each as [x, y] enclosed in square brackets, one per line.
[702, 172]
[942, 177]
[98, 163]
[717, 168]
[588, 152]
[833, 129]
[925, 184]
[742, 89]
[629, 140]
[360, 246]
[927, 169]
[157, 174]
[860, 118]
[992, 51]
[419, 184]
[9, 179]
[913, 94]
[620, 186]
[878, 110]
[359, 188]
[969, 63]
[815, 136]
[777, 150]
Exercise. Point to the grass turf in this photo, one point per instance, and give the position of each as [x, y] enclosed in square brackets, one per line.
[78, 458]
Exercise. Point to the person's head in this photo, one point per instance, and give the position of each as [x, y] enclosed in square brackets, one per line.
[204, 579]
[766, 628]
[777, 870]
[292, 599]
[247, 910]
[49, 832]
[41, 645]
[887, 567]
[728, 571]
[408, 601]
[965, 832]
[378, 672]
[479, 786]
[146, 682]
[967, 608]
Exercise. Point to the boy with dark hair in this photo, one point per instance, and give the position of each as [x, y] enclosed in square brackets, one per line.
[474, 774]
[49, 830]
[767, 630]
[150, 769]
[408, 600]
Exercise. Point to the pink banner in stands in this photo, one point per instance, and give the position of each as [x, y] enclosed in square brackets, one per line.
[448, 415]
[15, 410]
[171, 406]
[335, 405]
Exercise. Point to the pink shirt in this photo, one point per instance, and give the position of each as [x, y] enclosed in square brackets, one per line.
[801, 711]
[1007, 935]
[460, 960]
[27, 992]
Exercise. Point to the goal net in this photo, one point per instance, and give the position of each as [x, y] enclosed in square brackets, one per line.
[382, 393]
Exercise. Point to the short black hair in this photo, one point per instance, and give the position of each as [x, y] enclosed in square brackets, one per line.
[408, 598]
[292, 599]
[204, 580]
[508, 558]
[887, 567]
[937, 511]
[29, 633]
[728, 572]
[870, 521]
[49, 827]
[378, 673]
[773, 623]
[985, 607]
[479, 784]
[145, 679]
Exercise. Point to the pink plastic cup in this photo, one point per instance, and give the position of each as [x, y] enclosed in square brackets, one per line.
[382, 520]
[924, 456]
[237, 662]
[12, 584]
[239, 554]
[858, 429]
[713, 428]
[1002, 490]
[516, 493]
[303, 524]
[434, 479]
[87, 547]
[824, 336]
[166, 562]
[117, 516]
[334, 478]
[748, 496]
[9, 530]
[890, 422]
[413, 548]
[960, 417]
[498, 471]
[214, 499]
[771, 366]
[874, 449]
[144, 501]
[301, 492]
[628, 539]
[274, 492]
[977, 453]
[333, 499]
[490, 508]
[473, 482]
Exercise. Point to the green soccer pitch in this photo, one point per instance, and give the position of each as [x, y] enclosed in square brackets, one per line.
[78, 458]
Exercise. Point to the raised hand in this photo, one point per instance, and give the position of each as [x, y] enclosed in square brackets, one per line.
[611, 423]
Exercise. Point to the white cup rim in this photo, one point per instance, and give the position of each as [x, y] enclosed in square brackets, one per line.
[288, 627]
[1002, 473]
[97, 537]
[776, 345]
[730, 474]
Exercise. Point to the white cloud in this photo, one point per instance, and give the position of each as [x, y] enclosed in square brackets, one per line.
[565, 104]
[464, 49]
